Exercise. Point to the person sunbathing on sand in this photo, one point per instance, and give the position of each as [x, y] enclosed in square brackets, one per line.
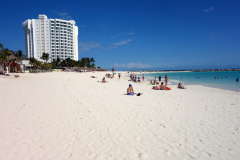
[131, 92]
[157, 87]
[162, 87]
[103, 80]
[139, 79]
[179, 85]
[154, 82]
[132, 79]
[151, 82]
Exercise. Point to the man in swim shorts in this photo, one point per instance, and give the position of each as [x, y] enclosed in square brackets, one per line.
[130, 90]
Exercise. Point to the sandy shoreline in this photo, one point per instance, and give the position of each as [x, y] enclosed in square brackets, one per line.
[72, 116]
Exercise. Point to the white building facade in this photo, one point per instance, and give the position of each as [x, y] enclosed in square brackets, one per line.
[58, 38]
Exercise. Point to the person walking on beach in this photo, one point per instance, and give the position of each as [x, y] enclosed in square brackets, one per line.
[143, 77]
[119, 75]
[166, 79]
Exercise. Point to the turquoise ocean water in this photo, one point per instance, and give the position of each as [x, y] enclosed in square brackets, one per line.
[227, 79]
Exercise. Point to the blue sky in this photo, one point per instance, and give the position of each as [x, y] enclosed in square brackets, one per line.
[139, 34]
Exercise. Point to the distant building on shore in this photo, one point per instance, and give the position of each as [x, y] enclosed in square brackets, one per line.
[58, 38]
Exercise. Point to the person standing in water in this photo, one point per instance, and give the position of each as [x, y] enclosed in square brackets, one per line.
[166, 79]
[159, 78]
[237, 79]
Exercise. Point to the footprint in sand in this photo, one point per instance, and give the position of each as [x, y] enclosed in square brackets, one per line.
[190, 156]
[206, 154]
[163, 150]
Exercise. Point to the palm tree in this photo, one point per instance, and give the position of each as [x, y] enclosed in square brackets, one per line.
[43, 56]
[32, 62]
[83, 62]
[93, 65]
[19, 54]
[1, 46]
[92, 60]
[7, 53]
[3, 58]
[47, 57]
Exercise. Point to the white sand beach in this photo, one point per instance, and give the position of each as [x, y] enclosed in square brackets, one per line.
[70, 116]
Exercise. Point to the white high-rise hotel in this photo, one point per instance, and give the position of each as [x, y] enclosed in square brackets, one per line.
[58, 38]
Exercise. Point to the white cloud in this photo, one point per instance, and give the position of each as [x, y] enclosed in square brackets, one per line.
[132, 65]
[122, 42]
[114, 36]
[209, 9]
[85, 46]
[213, 37]
[63, 15]
[112, 47]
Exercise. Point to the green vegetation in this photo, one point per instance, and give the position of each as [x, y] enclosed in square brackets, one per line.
[45, 56]
[5, 53]
[85, 62]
